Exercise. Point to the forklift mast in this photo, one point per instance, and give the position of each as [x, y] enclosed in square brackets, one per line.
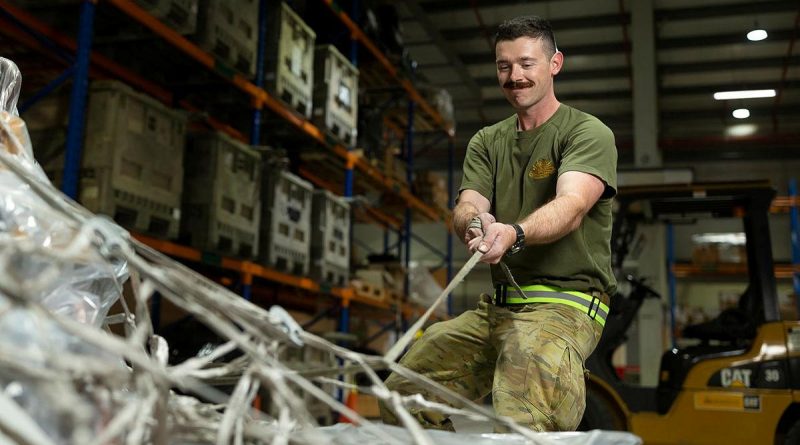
[748, 200]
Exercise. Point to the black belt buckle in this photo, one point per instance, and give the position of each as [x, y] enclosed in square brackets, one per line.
[500, 294]
[592, 305]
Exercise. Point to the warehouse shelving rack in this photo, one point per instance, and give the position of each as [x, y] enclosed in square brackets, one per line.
[415, 98]
[39, 36]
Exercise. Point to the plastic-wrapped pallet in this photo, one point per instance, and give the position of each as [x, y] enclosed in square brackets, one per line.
[423, 288]
[330, 239]
[348, 433]
[285, 222]
[229, 30]
[290, 53]
[336, 93]
[221, 195]
[180, 15]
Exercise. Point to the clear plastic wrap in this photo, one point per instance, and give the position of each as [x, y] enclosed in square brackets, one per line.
[41, 263]
[10, 86]
[91, 286]
[424, 289]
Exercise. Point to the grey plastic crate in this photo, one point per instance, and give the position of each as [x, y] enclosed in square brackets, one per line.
[132, 158]
[307, 358]
[221, 195]
[229, 30]
[290, 58]
[132, 166]
[335, 94]
[47, 125]
[180, 15]
[285, 222]
[330, 239]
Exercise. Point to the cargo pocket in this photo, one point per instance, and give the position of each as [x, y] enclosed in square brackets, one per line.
[571, 392]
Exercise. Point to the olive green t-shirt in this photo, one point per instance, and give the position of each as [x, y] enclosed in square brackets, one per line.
[517, 172]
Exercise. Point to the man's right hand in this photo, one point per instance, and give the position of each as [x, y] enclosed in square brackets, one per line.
[476, 227]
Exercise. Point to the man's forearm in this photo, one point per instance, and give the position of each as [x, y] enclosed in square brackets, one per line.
[553, 220]
[462, 215]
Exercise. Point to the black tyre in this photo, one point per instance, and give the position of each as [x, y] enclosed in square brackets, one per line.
[600, 414]
[793, 435]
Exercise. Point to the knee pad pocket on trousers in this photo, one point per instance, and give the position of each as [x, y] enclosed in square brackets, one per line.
[532, 394]
[567, 412]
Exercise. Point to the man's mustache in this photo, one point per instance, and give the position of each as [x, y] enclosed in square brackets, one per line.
[512, 85]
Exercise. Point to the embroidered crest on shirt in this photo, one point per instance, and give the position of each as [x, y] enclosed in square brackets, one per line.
[541, 169]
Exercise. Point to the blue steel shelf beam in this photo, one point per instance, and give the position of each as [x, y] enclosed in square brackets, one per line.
[387, 247]
[320, 316]
[409, 180]
[349, 182]
[794, 215]
[384, 329]
[47, 89]
[255, 131]
[77, 101]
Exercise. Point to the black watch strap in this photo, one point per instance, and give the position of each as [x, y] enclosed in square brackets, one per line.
[519, 243]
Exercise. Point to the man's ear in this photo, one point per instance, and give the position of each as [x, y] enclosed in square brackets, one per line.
[556, 62]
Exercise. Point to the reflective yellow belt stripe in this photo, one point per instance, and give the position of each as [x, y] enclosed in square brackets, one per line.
[544, 288]
[546, 294]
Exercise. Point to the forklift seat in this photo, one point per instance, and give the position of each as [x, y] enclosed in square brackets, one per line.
[676, 364]
[733, 325]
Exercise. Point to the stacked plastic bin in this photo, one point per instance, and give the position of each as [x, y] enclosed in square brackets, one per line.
[285, 222]
[133, 159]
[335, 94]
[180, 15]
[290, 56]
[330, 240]
[229, 30]
[221, 198]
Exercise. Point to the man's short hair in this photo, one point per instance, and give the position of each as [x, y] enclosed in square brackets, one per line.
[531, 26]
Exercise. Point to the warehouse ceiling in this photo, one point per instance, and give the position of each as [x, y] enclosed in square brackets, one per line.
[701, 48]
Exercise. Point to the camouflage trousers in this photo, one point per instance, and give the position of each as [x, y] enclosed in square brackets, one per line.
[530, 357]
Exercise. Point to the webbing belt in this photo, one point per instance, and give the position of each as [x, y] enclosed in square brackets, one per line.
[537, 293]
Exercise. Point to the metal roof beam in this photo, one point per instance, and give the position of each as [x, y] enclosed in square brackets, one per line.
[435, 7]
[558, 25]
[712, 11]
[599, 49]
[727, 65]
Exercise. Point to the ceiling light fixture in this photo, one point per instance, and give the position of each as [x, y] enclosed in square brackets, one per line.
[757, 35]
[741, 113]
[743, 94]
[741, 130]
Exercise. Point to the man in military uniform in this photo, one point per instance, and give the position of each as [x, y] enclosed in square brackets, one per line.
[536, 200]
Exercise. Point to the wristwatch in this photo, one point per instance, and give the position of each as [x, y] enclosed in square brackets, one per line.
[519, 244]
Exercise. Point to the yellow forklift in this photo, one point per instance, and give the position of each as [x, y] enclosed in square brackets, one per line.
[740, 384]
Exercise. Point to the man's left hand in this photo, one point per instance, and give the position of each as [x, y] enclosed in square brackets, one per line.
[497, 239]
